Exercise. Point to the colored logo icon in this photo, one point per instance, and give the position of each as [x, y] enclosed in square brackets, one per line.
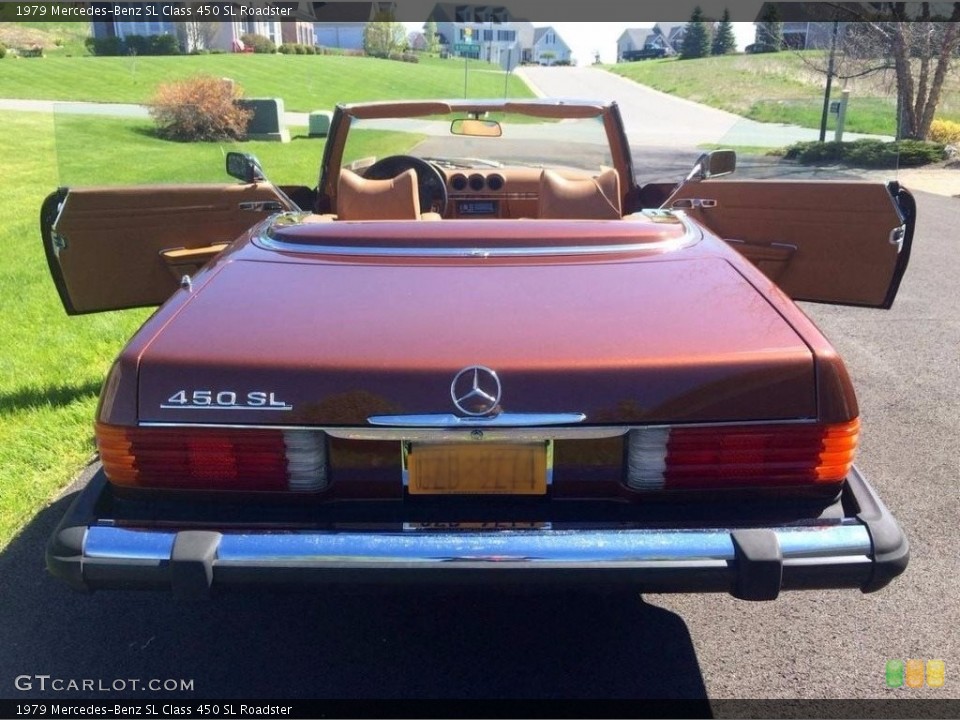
[898, 673]
[914, 673]
[894, 673]
[936, 671]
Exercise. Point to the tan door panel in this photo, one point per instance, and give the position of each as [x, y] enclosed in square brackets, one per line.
[831, 242]
[115, 247]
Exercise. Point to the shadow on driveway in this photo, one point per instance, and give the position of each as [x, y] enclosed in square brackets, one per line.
[458, 644]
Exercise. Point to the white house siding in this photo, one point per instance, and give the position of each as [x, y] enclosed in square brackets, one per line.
[551, 51]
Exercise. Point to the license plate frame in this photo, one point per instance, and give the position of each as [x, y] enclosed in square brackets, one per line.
[480, 468]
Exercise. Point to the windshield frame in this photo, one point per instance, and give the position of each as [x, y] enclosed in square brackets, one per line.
[546, 108]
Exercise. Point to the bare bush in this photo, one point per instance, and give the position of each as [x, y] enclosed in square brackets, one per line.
[199, 108]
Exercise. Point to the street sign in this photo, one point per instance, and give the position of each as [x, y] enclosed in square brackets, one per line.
[467, 48]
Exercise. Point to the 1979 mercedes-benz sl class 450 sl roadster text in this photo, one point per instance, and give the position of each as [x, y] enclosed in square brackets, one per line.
[494, 357]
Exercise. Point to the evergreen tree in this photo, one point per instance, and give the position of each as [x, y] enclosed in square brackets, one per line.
[724, 41]
[770, 29]
[696, 39]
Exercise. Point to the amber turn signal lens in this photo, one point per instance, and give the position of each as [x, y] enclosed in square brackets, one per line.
[233, 459]
[740, 456]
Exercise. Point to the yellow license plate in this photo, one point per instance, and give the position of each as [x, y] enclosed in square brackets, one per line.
[477, 469]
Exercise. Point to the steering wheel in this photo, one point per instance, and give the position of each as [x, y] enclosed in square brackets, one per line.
[431, 185]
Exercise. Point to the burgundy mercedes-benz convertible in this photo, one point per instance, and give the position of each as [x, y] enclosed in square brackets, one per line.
[487, 356]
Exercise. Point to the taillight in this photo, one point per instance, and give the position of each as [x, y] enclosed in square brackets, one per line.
[740, 456]
[213, 458]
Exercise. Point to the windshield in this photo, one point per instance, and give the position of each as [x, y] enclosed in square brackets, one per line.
[523, 140]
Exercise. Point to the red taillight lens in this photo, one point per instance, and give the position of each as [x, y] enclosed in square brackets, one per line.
[213, 459]
[739, 456]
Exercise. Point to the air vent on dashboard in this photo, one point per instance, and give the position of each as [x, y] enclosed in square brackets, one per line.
[495, 182]
[459, 182]
[477, 182]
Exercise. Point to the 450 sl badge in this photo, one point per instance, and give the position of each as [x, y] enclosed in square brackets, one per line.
[224, 400]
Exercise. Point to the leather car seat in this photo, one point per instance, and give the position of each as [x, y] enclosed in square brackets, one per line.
[362, 199]
[593, 198]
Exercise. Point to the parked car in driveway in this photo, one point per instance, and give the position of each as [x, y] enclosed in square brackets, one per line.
[493, 358]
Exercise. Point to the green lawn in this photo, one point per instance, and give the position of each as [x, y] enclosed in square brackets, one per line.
[51, 365]
[304, 82]
[778, 87]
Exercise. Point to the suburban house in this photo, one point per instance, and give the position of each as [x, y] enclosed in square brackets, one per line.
[484, 32]
[632, 40]
[806, 26]
[299, 32]
[205, 35]
[549, 48]
[341, 24]
[661, 40]
[809, 35]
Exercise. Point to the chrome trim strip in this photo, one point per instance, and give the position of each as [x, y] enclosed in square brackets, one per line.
[689, 237]
[477, 433]
[481, 421]
[799, 545]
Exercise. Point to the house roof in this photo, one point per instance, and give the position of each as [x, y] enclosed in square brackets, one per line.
[669, 29]
[638, 36]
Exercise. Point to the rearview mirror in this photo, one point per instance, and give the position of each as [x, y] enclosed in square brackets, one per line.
[476, 128]
[245, 167]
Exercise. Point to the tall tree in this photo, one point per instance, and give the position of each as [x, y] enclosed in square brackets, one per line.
[383, 36]
[724, 40]
[432, 37]
[696, 39]
[922, 51]
[770, 28]
[906, 41]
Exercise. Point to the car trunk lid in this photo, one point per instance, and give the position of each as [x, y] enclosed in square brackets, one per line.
[620, 340]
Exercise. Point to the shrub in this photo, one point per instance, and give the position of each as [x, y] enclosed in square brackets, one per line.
[946, 132]
[259, 43]
[300, 49]
[867, 153]
[103, 47]
[151, 45]
[3, 50]
[199, 108]
[164, 45]
[134, 45]
[286, 49]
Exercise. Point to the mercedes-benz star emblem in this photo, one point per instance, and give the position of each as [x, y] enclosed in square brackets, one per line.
[476, 391]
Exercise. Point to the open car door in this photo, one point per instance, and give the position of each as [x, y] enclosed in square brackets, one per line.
[122, 247]
[846, 243]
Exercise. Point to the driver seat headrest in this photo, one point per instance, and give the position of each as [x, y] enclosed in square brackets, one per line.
[591, 198]
[362, 199]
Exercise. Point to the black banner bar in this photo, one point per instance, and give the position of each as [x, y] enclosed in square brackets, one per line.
[901, 707]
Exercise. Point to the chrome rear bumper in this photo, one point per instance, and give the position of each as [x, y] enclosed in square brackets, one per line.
[865, 550]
